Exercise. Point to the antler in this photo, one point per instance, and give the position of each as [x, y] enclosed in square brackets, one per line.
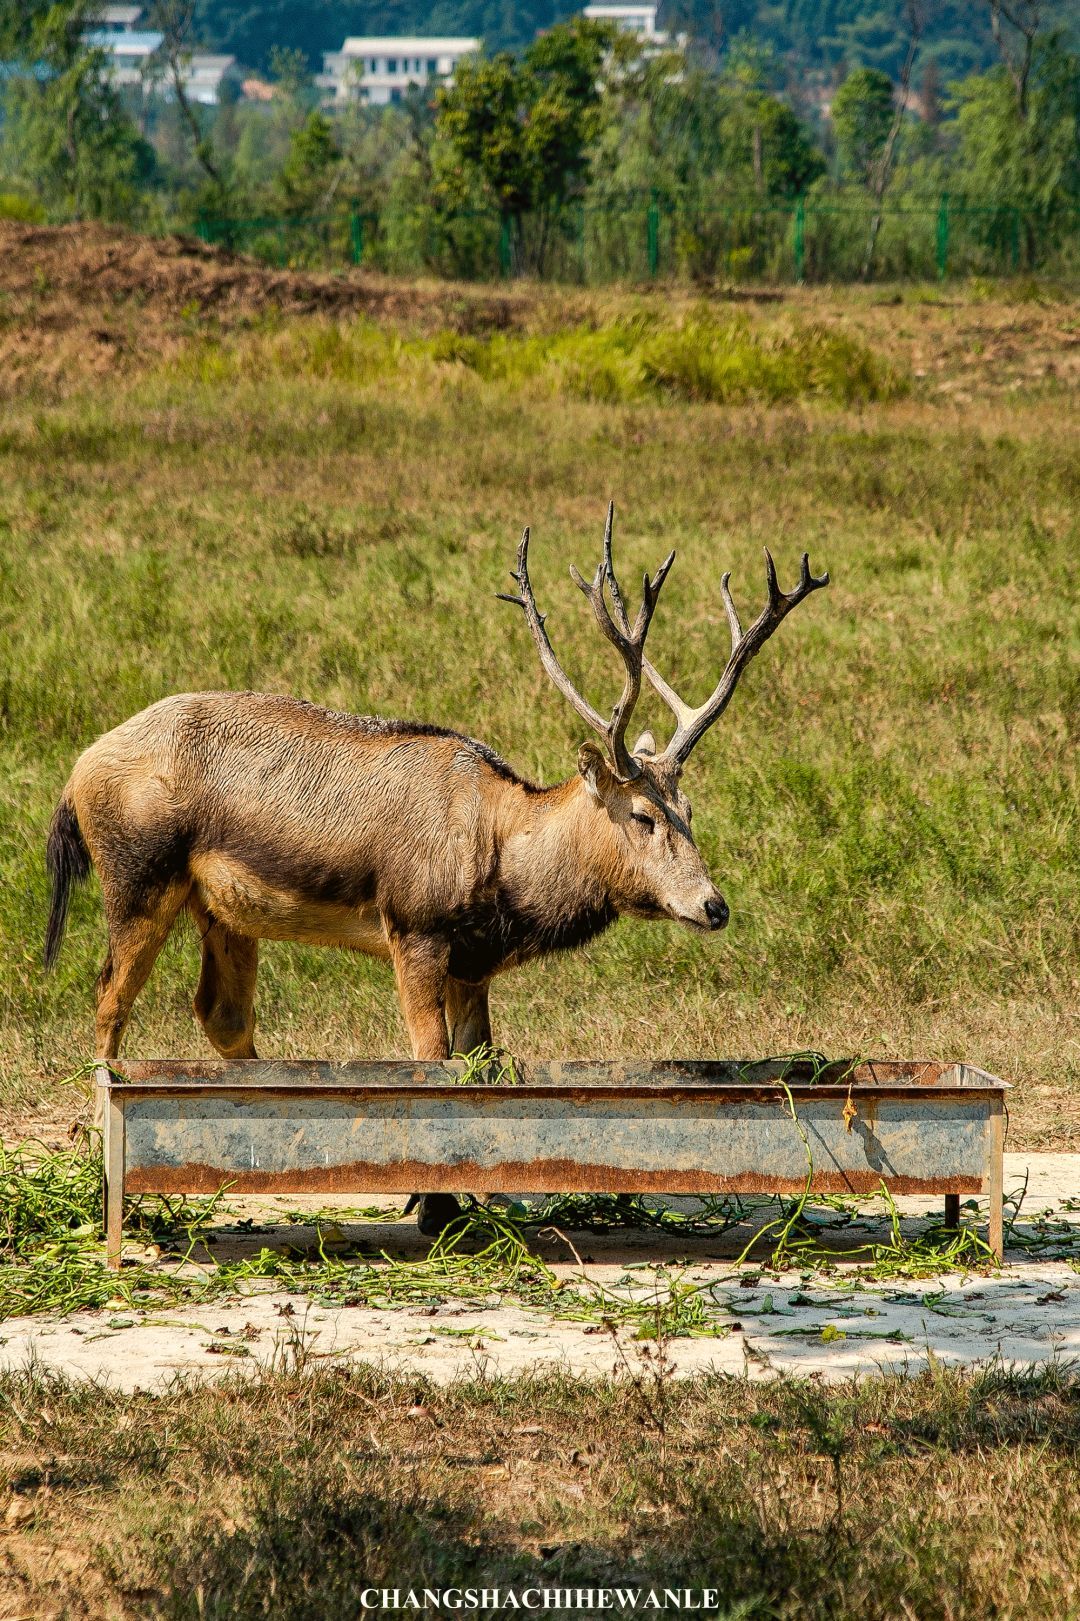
[628, 639]
[691, 723]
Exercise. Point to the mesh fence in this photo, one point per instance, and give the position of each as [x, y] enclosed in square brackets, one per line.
[635, 239]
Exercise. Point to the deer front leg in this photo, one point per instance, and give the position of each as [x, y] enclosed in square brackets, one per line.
[467, 1017]
[420, 968]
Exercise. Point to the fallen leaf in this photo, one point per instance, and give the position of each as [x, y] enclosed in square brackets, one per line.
[20, 1511]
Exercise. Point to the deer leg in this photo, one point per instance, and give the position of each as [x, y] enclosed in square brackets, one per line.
[134, 944]
[468, 1022]
[135, 941]
[225, 1000]
[420, 971]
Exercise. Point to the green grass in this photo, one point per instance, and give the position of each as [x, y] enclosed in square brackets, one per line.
[890, 804]
[948, 1497]
[632, 358]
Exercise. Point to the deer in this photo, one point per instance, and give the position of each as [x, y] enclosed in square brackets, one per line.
[266, 817]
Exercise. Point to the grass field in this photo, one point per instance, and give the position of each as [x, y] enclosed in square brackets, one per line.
[216, 476]
[946, 1498]
[324, 506]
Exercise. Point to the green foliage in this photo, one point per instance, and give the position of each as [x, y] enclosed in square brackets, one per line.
[692, 139]
[862, 114]
[16, 207]
[699, 358]
[306, 173]
[585, 158]
[66, 137]
[524, 128]
[1033, 161]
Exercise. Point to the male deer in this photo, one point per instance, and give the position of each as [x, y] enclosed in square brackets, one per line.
[269, 818]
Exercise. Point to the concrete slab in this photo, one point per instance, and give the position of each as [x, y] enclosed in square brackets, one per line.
[832, 1324]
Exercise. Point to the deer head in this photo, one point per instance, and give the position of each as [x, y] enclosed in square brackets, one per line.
[657, 870]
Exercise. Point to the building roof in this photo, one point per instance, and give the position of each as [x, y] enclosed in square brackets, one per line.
[614, 10]
[118, 16]
[406, 45]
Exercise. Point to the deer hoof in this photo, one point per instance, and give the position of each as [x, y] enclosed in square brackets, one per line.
[437, 1211]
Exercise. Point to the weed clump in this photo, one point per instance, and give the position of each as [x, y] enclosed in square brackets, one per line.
[637, 358]
[47, 1199]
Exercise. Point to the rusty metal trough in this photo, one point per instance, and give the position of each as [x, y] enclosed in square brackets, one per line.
[572, 1127]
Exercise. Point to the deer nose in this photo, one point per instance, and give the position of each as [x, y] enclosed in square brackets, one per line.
[717, 913]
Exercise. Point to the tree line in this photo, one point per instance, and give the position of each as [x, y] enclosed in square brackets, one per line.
[526, 147]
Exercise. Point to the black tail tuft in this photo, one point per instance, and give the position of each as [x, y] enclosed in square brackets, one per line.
[68, 861]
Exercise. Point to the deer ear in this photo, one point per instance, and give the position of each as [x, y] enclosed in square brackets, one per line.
[595, 770]
[645, 745]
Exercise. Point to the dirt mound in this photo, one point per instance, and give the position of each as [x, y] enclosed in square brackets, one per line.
[91, 298]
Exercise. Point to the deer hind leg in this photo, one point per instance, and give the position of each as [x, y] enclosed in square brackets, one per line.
[225, 999]
[135, 939]
[468, 1021]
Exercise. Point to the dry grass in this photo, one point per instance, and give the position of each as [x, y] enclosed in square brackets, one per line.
[90, 302]
[942, 1496]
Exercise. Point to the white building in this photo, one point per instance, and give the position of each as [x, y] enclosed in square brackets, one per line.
[133, 60]
[128, 51]
[203, 73]
[116, 19]
[637, 20]
[380, 69]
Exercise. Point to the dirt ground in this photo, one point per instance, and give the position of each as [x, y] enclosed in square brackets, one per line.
[85, 301]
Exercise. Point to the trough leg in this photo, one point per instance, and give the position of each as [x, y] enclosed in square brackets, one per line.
[952, 1211]
[996, 1189]
[114, 1180]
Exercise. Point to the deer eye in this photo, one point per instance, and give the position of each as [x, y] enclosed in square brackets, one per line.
[646, 821]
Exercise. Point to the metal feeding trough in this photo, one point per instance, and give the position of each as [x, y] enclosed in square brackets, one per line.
[263, 1126]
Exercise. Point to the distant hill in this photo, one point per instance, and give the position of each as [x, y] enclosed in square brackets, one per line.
[806, 34]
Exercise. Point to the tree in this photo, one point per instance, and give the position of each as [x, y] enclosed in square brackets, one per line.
[306, 182]
[883, 168]
[1016, 43]
[173, 19]
[761, 137]
[525, 127]
[65, 129]
[862, 116]
[1028, 159]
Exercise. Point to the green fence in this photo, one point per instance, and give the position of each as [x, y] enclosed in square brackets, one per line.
[640, 238]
